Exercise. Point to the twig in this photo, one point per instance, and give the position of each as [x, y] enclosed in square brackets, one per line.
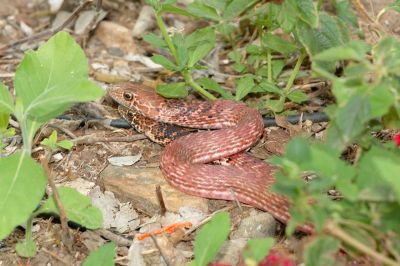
[47, 32]
[335, 231]
[66, 237]
[121, 241]
[160, 199]
[236, 199]
[52, 254]
[89, 139]
[64, 130]
[159, 249]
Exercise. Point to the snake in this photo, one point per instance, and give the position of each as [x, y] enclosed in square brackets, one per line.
[189, 161]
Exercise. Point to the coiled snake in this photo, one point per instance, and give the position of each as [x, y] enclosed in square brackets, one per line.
[186, 162]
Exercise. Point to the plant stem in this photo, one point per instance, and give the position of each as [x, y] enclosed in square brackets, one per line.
[166, 37]
[295, 72]
[189, 80]
[28, 230]
[186, 73]
[332, 229]
[269, 64]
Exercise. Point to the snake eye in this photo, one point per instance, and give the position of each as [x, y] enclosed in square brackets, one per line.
[128, 96]
[130, 114]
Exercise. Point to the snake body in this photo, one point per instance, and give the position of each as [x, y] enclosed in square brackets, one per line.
[186, 162]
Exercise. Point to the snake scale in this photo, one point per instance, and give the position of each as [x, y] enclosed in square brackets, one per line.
[187, 160]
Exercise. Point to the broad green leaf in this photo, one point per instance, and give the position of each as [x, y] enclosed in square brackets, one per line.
[389, 170]
[203, 11]
[257, 249]
[278, 44]
[297, 96]
[212, 85]
[199, 44]
[236, 7]
[172, 90]
[162, 60]
[322, 251]
[380, 99]
[355, 50]
[370, 180]
[218, 5]
[308, 12]
[349, 122]
[243, 87]
[182, 52]
[267, 86]
[22, 186]
[287, 22]
[26, 249]
[103, 256]
[174, 9]
[154, 40]
[275, 105]
[53, 78]
[50, 141]
[298, 150]
[210, 238]
[65, 144]
[6, 102]
[78, 208]
[346, 13]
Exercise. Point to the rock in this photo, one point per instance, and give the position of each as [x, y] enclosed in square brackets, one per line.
[145, 21]
[114, 35]
[257, 225]
[139, 184]
[231, 251]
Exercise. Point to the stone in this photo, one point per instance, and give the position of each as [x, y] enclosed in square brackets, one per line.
[257, 225]
[114, 35]
[138, 185]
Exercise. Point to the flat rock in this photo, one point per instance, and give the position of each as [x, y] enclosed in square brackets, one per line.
[257, 225]
[138, 185]
[114, 35]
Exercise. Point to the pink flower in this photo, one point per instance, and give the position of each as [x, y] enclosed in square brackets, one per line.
[276, 259]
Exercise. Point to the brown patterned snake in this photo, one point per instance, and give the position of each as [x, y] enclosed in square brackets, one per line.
[186, 162]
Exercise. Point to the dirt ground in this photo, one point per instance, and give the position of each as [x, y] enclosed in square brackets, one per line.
[117, 53]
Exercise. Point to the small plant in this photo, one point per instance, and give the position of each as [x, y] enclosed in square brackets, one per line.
[47, 83]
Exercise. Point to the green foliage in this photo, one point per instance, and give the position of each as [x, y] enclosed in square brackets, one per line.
[210, 238]
[47, 82]
[321, 251]
[78, 208]
[22, 186]
[256, 250]
[103, 256]
[52, 143]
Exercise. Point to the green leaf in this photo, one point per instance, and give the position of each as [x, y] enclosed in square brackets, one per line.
[154, 40]
[26, 249]
[210, 238]
[78, 208]
[236, 7]
[50, 141]
[287, 22]
[203, 11]
[162, 60]
[210, 84]
[53, 78]
[389, 170]
[278, 44]
[275, 105]
[199, 44]
[172, 90]
[267, 86]
[321, 251]
[65, 144]
[298, 150]
[308, 12]
[6, 102]
[257, 249]
[355, 50]
[22, 186]
[243, 87]
[182, 52]
[297, 96]
[349, 122]
[103, 256]
[174, 9]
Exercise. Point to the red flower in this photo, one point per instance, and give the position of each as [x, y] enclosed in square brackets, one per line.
[396, 139]
[276, 259]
